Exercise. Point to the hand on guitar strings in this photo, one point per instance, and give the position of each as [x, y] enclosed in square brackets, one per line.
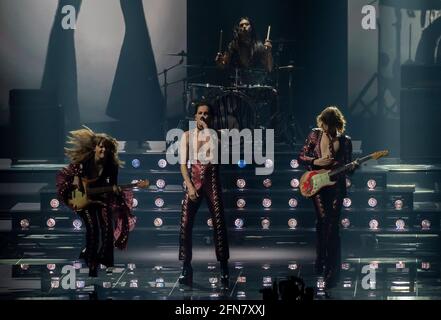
[323, 162]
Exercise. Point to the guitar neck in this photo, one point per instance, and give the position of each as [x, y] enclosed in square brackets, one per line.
[106, 189]
[349, 165]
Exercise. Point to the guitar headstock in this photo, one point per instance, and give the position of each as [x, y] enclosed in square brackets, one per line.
[142, 184]
[379, 154]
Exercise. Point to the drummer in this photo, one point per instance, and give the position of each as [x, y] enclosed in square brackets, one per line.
[245, 51]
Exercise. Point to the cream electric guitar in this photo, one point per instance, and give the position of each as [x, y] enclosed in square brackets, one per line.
[79, 198]
[312, 182]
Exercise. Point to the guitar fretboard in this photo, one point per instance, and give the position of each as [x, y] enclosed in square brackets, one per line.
[349, 165]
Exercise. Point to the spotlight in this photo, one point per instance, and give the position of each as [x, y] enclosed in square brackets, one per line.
[136, 163]
[160, 183]
[372, 202]
[241, 294]
[425, 265]
[24, 223]
[50, 222]
[292, 266]
[293, 203]
[24, 266]
[345, 223]
[158, 222]
[294, 183]
[162, 163]
[241, 203]
[241, 164]
[269, 163]
[348, 183]
[373, 224]
[134, 202]
[107, 284]
[241, 279]
[80, 284]
[267, 183]
[159, 283]
[400, 224]
[267, 281]
[265, 223]
[55, 283]
[398, 204]
[347, 202]
[131, 266]
[345, 266]
[320, 284]
[77, 265]
[54, 203]
[210, 222]
[292, 223]
[266, 202]
[373, 265]
[425, 224]
[400, 265]
[238, 223]
[51, 266]
[371, 184]
[159, 202]
[133, 283]
[294, 164]
[77, 224]
[213, 280]
[241, 183]
[266, 266]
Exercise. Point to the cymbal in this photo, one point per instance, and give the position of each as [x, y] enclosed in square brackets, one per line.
[412, 4]
[290, 67]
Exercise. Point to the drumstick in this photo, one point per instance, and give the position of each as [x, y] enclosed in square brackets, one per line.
[220, 41]
[268, 33]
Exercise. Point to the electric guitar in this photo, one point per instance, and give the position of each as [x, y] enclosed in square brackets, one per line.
[79, 197]
[312, 182]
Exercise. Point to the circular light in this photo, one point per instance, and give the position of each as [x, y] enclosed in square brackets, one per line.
[294, 183]
[292, 266]
[373, 265]
[347, 202]
[158, 222]
[345, 223]
[373, 224]
[398, 204]
[400, 224]
[348, 183]
[159, 202]
[24, 266]
[266, 202]
[133, 283]
[51, 266]
[131, 266]
[400, 265]
[346, 266]
[292, 223]
[372, 202]
[266, 266]
[371, 184]
[238, 223]
[241, 164]
[162, 163]
[425, 224]
[50, 222]
[55, 284]
[54, 203]
[210, 222]
[77, 224]
[136, 163]
[265, 223]
[293, 203]
[212, 280]
[107, 284]
[269, 163]
[267, 183]
[160, 183]
[80, 284]
[425, 265]
[241, 203]
[24, 223]
[294, 163]
[241, 183]
[134, 202]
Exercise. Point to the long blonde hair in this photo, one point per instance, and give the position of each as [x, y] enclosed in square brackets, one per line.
[82, 144]
[333, 117]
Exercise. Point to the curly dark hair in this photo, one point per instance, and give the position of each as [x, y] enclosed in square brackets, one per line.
[332, 117]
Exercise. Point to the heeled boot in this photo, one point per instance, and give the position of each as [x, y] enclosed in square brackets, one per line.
[186, 277]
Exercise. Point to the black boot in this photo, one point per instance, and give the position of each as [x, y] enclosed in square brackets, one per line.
[186, 277]
[225, 274]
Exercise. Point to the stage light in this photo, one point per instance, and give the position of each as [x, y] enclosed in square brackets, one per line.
[135, 203]
[51, 266]
[211, 267]
[55, 283]
[24, 223]
[425, 224]
[54, 203]
[133, 283]
[294, 164]
[241, 183]
[238, 223]
[241, 203]
[241, 294]
[292, 223]
[267, 281]
[160, 183]
[77, 224]
[158, 268]
[241, 279]
[267, 183]
[266, 266]
[162, 163]
[210, 222]
[77, 265]
[345, 223]
[347, 284]
[266, 202]
[159, 202]
[373, 224]
[400, 224]
[136, 163]
[345, 266]
[293, 203]
[107, 285]
[241, 164]
[24, 266]
[400, 265]
[347, 202]
[269, 163]
[50, 222]
[158, 222]
[159, 283]
[348, 183]
[131, 266]
[371, 184]
[213, 280]
[373, 265]
[372, 202]
[265, 223]
[80, 284]
[425, 265]
[320, 284]
[398, 204]
[294, 183]
[292, 266]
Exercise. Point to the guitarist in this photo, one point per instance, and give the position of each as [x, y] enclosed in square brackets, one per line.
[94, 157]
[327, 147]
